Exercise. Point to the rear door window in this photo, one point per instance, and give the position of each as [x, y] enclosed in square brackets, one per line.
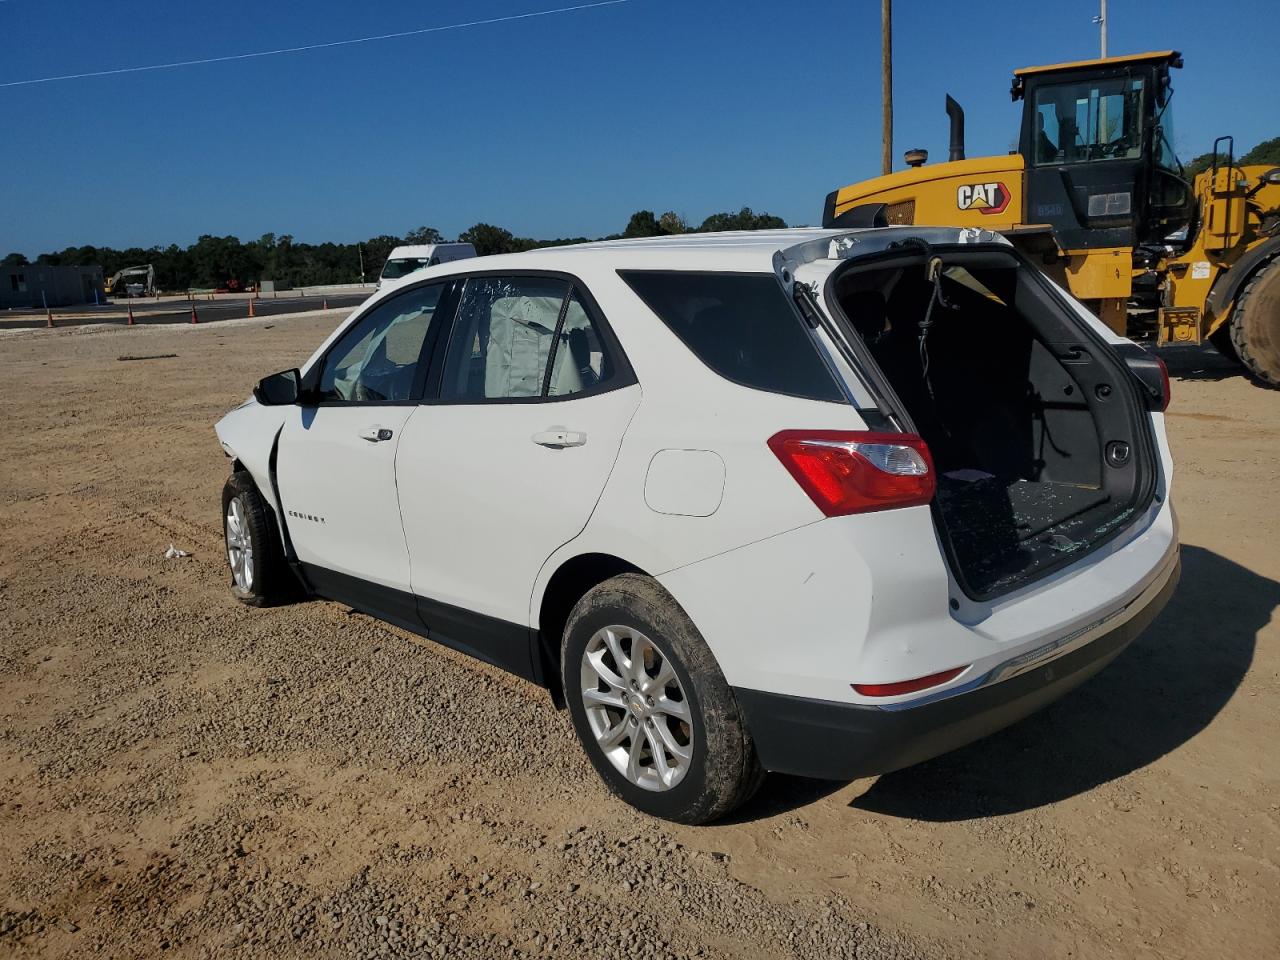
[502, 338]
[580, 360]
[741, 326]
[525, 338]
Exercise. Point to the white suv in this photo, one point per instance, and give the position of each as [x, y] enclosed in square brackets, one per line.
[821, 502]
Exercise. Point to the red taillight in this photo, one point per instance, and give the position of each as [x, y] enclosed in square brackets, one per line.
[855, 471]
[907, 686]
[1165, 393]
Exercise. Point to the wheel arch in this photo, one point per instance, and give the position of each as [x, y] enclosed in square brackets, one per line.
[253, 452]
[564, 588]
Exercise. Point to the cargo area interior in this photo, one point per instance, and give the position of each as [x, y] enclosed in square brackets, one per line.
[1038, 439]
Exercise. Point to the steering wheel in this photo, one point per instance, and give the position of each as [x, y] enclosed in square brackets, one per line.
[1115, 148]
[364, 391]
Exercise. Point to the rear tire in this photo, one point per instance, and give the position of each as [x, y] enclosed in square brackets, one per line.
[1255, 325]
[663, 731]
[260, 575]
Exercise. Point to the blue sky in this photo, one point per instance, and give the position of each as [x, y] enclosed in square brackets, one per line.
[554, 126]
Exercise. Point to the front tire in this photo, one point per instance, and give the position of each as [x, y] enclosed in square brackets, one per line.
[653, 711]
[1255, 325]
[259, 575]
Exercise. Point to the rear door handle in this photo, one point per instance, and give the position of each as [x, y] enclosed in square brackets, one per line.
[376, 434]
[559, 437]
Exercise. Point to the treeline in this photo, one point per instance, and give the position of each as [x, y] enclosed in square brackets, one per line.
[212, 262]
[1267, 152]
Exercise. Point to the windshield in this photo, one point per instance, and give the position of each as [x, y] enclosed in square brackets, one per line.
[1089, 120]
[395, 269]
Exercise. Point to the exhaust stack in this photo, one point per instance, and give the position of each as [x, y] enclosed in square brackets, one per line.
[956, 113]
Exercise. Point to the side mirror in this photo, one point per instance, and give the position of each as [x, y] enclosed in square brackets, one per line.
[279, 389]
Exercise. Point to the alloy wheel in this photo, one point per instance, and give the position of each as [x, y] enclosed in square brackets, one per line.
[636, 708]
[239, 545]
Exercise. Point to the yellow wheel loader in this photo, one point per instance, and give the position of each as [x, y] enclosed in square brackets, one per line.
[1096, 196]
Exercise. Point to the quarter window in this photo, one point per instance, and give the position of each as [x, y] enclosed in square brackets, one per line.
[742, 327]
[376, 361]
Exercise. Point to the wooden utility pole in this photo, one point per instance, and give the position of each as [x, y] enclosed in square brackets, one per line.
[886, 86]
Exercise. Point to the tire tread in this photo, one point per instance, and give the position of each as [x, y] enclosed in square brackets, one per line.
[1264, 369]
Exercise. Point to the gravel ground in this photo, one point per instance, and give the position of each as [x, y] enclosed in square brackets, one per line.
[181, 774]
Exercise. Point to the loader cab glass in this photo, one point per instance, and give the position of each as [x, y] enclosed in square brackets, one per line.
[1166, 159]
[1097, 140]
[1093, 120]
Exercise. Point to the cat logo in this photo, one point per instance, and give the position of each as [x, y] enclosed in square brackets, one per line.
[988, 198]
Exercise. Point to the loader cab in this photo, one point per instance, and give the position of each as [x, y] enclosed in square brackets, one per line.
[1097, 138]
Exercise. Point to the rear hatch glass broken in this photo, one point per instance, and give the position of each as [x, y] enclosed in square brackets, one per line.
[1041, 441]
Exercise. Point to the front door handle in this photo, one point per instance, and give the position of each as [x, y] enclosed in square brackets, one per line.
[559, 437]
[376, 434]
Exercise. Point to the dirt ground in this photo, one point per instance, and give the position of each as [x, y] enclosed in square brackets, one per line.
[179, 773]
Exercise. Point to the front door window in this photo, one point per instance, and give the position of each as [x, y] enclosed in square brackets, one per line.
[376, 361]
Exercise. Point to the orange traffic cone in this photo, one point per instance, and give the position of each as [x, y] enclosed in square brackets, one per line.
[194, 318]
[130, 323]
[325, 304]
[48, 317]
[251, 306]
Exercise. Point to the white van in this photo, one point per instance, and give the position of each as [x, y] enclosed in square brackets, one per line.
[406, 260]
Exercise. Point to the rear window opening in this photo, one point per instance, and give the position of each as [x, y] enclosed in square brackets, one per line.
[1040, 439]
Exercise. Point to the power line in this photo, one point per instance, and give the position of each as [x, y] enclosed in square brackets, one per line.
[313, 46]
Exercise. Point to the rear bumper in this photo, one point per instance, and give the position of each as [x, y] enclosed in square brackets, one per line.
[841, 741]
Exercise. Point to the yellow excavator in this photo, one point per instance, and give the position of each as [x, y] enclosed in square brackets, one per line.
[1096, 196]
[131, 282]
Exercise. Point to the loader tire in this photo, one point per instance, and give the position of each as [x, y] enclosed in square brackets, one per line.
[1255, 325]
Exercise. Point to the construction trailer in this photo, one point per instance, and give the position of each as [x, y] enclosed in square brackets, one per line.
[35, 285]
